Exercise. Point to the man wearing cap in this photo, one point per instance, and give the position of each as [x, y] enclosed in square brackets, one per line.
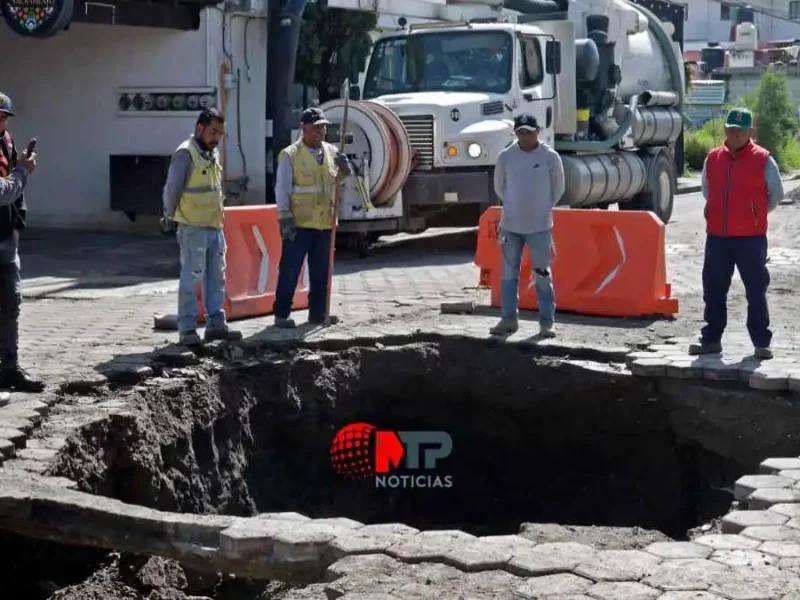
[194, 199]
[741, 184]
[15, 168]
[529, 179]
[308, 172]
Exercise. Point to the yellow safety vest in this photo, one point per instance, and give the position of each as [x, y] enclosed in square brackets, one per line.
[313, 186]
[202, 202]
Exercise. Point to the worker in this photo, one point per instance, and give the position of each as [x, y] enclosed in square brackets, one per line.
[308, 172]
[15, 168]
[741, 184]
[194, 199]
[529, 179]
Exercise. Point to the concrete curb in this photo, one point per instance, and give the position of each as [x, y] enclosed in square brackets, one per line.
[689, 188]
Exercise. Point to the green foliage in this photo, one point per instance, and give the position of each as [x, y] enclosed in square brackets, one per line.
[776, 124]
[332, 42]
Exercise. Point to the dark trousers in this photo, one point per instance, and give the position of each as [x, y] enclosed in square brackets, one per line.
[749, 256]
[314, 244]
[10, 301]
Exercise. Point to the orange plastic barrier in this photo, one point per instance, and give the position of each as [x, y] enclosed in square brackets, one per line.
[609, 263]
[253, 239]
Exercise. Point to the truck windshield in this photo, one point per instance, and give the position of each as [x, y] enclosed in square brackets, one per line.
[453, 61]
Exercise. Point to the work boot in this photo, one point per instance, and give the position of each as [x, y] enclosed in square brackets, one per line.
[505, 326]
[705, 348]
[547, 330]
[15, 378]
[223, 333]
[763, 353]
[322, 321]
[284, 323]
[190, 339]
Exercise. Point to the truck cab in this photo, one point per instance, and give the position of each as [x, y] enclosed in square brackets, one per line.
[457, 90]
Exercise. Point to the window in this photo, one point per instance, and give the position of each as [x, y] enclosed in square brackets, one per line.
[530, 68]
[794, 10]
[455, 61]
[685, 8]
[727, 12]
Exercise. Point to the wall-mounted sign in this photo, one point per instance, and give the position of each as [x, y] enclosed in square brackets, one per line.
[155, 101]
[37, 18]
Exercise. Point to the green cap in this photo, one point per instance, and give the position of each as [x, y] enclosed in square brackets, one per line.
[740, 118]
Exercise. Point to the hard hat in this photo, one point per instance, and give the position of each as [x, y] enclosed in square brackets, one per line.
[5, 105]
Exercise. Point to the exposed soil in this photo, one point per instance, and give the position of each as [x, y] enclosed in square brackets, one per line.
[618, 461]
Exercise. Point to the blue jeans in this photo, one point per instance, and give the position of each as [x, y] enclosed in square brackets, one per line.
[314, 244]
[202, 261]
[539, 244]
[749, 256]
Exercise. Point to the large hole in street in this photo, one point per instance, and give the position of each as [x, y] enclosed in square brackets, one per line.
[535, 439]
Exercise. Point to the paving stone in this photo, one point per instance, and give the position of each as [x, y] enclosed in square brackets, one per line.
[371, 539]
[553, 585]
[342, 522]
[781, 549]
[690, 596]
[769, 381]
[5, 398]
[793, 474]
[775, 465]
[14, 435]
[684, 574]
[649, 367]
[742, 558]
[755, 583]
[727, 541]
[284, 516]
[678, 550]
[794, 382]
[428, 545]
[762, 499]
[7, 449]
[622, 590]
[683, 369]
[747, 484]
[487, 553]
[617, 565]
[772, 533]
[23, 425]
[736, 521]
[549, 559]
[790, 510]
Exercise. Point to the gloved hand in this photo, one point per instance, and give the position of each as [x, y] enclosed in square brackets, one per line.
[288, 230]
[343, 163]
[167, 224]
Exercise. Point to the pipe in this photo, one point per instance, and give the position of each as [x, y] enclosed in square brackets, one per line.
[223, 103]
[593, 146]
[284, 34]
[648, 98]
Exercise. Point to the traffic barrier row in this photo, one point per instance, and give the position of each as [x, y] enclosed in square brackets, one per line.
[607, 263]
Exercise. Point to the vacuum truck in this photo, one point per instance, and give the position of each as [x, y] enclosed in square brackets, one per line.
[604, 79]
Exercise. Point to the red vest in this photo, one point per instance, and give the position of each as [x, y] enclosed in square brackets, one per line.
[5, 166]
[737, 191]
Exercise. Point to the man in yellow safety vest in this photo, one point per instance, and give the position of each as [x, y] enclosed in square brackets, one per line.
[194, 199]
[308, 172]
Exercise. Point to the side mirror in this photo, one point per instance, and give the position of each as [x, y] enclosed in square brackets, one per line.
[552, 60]
[354, 92]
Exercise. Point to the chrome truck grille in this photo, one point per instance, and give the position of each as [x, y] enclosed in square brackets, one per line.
[420, 134]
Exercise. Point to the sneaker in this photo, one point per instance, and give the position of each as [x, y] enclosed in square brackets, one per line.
[331, 320]
[763, 353]
[223, 333]
[705, 348]
[15, 378]
[190, 339]
[547, 330]
[505, 326]
[284, 323]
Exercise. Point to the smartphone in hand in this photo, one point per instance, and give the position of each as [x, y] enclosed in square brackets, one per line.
[31, 147]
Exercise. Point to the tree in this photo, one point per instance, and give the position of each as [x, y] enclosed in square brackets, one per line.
[775, 113]
[332, 41]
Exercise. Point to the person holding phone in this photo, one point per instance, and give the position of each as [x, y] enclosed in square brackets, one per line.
[15, 169]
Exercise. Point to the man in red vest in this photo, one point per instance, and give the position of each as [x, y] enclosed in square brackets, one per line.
[741, 185]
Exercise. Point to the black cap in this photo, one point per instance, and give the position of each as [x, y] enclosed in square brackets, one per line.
[525, 121]
[313, 116]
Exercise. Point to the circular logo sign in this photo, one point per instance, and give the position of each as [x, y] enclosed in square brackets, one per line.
[455, 114]
[351, 450]
[37, 18]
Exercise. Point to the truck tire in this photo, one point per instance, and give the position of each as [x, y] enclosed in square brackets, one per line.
[658, 195]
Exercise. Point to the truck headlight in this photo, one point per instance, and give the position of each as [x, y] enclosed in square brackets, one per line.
[474, 150]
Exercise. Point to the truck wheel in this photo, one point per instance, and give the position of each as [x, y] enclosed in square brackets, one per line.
[659, 193]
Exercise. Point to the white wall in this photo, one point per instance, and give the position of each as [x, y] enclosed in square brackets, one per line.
[704, 22]
[64, 91]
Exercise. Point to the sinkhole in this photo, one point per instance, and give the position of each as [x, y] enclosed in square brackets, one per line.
[535, 439]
